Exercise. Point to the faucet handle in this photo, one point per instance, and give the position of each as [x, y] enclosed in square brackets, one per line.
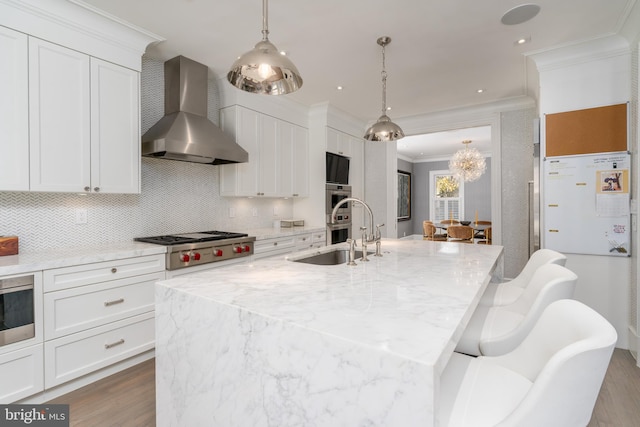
[352, 242]
[378, 230]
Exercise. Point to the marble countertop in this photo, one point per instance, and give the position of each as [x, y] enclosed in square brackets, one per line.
[54, 258]
[413, 302]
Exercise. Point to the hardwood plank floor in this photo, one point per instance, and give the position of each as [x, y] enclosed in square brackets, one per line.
[127, 399]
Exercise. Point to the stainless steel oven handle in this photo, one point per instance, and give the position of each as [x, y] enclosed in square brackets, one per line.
[15, 289]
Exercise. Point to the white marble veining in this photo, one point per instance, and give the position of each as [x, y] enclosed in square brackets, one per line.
[276, 342]
[25, 262]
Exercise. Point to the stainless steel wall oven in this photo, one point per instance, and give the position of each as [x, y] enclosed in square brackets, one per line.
[16, 309]
[340, 230]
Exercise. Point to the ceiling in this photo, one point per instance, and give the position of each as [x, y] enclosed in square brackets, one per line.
[441, 52]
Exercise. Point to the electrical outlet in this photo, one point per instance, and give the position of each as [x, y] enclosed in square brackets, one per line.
[254, 211]
[232, 212]
[275, 211]
[81, 216]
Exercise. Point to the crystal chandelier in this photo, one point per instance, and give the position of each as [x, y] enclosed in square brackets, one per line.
[467, 164]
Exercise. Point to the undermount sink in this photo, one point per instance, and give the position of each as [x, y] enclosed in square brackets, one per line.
[339, 256]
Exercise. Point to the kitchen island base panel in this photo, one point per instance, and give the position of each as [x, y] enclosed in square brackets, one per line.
[248, 369]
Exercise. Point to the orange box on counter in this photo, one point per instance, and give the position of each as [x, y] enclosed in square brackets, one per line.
[8, 245]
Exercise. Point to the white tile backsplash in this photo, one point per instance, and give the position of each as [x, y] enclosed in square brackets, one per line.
[176, 197]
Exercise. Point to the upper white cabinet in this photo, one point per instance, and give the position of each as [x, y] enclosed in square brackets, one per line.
[278, 156]
[70, 109]
[338, 142]
[83, 122]
[59, 117]
[14, 111]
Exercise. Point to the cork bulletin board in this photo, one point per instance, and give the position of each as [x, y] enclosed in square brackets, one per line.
[586, 181]
[589, 131]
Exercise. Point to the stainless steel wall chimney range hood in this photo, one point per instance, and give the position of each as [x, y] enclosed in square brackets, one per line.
[185, 133]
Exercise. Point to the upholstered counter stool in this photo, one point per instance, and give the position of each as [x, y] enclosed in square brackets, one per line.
[507, 292]
[497, 330]
[552, 378]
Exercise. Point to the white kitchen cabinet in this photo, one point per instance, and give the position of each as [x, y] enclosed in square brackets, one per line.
[278, 156]
[22, 374]
[83, 116]
[59, 117]
[293, 170]
[98, 314]
[14, 111]
[115, 128]
[338, 142]
[300, 163]
[79, 354]
[264, 248]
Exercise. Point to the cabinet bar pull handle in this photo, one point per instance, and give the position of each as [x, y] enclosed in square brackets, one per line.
[108, 346]
[114, 302]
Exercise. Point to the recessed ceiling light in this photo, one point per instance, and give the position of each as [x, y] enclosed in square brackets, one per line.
[339, 87]
[480, 91]
[520, 14]
[522, 40]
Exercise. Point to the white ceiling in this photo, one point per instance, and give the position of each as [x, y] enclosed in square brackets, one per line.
[441, 52]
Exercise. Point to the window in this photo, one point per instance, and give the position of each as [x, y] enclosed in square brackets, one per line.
[447, 196]
[404, 196]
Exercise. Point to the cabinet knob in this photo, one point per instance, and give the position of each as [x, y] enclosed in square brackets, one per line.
[96, 189]
[87, 188]
[114, 270]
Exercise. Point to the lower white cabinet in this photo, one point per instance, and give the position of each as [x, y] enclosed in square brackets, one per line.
[78, 354]
[98, 314]
[21, 373]
[264, 248]
[274, 246]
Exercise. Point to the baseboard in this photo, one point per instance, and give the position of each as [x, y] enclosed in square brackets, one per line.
[72, 385]
[634, 343]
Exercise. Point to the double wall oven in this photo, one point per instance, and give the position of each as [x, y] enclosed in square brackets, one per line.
[340, 230]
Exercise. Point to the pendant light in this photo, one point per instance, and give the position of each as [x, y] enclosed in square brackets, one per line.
[263, 69]
[384, 129]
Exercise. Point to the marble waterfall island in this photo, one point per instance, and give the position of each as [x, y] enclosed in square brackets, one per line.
[282, 343]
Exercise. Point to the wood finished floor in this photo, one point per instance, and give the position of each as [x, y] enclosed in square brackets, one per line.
[127, 399]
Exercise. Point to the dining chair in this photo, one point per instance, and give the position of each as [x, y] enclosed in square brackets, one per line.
[552, 378]
[507, 292]
[496, 330]
[429, 232]
[486, 239]
[480, 234]
[460, 234]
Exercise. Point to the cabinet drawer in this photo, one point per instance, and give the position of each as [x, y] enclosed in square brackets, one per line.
[319, 237]
[268, 247]
[87, 274]
[76, 309]
[82, 353]
[21, 373]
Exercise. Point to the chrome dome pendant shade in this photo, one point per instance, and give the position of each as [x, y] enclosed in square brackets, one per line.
[384, 129]
[263, 69]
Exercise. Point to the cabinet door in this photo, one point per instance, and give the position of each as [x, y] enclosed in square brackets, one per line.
[338, 142]
[14, 111]
[268, 161]
[300, 175]
[115, 129]
[241, 179]
[285, 159]
[59, 115]
[356, 167]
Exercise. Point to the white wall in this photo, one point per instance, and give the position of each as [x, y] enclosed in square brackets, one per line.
[589, 75]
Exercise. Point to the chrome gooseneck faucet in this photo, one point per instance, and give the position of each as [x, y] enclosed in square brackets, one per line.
[370, 237]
